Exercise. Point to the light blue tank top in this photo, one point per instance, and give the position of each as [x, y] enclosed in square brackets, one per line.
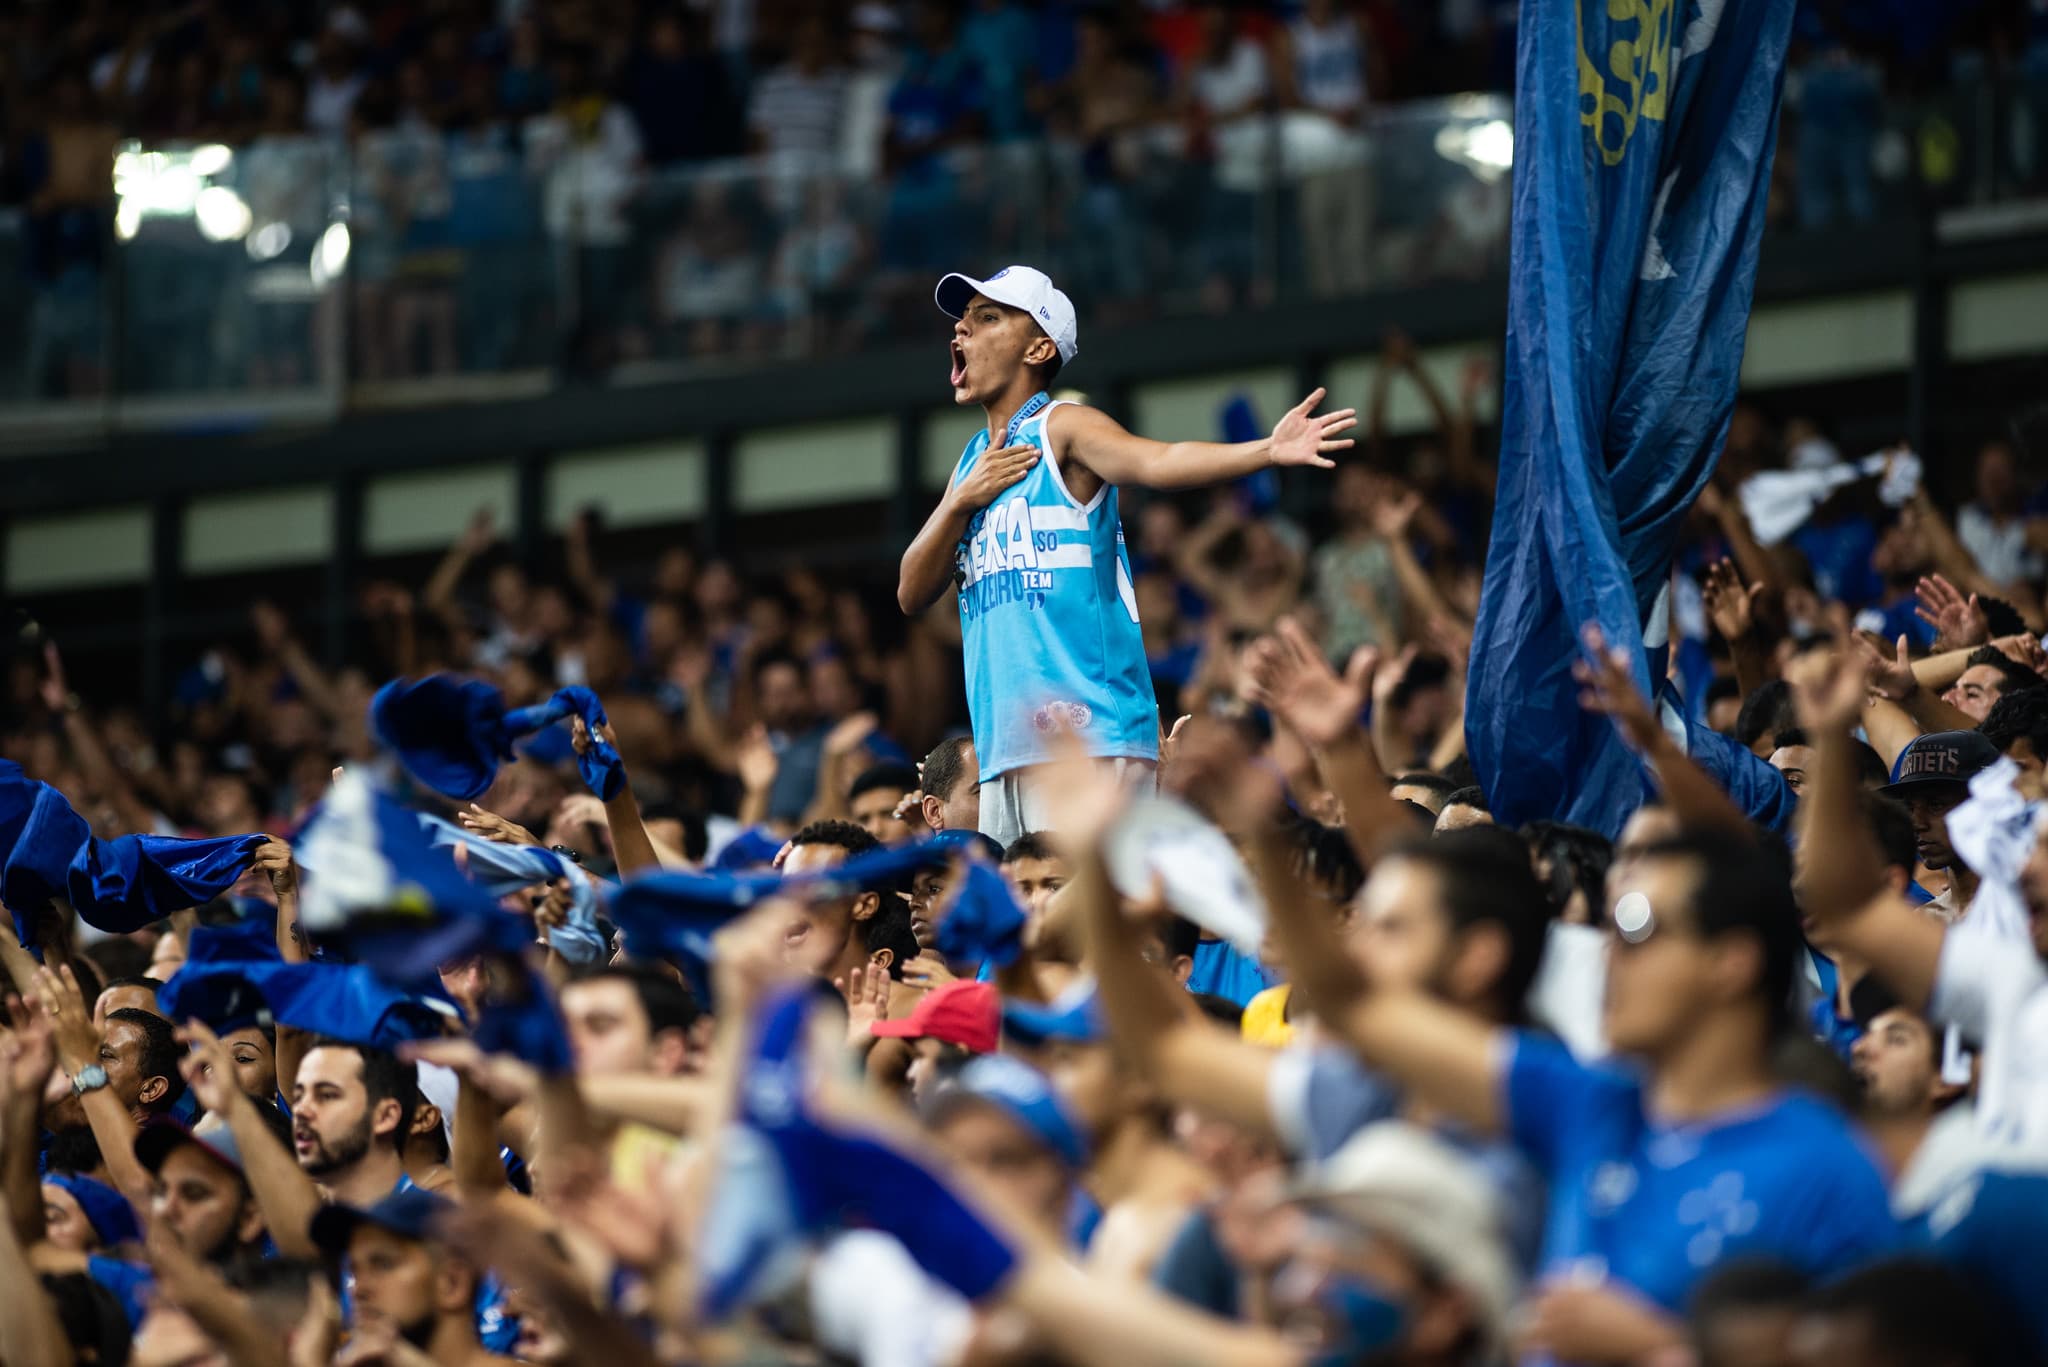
[1049, 618]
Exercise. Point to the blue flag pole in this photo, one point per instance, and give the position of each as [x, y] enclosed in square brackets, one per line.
[1643, 151]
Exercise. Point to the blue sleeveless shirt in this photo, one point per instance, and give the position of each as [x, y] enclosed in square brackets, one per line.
[1049, 617]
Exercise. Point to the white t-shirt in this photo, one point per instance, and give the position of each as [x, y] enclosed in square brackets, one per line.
[2000, 548]
[870, 1302]
[1995, 990]
[1235, 85]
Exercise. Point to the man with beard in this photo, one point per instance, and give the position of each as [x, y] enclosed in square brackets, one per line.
[351, 1111]
[407, 1284]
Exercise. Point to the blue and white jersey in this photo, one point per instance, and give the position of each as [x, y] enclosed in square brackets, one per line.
[1049, 619]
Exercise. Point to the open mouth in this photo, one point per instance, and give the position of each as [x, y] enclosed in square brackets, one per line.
[959, 354]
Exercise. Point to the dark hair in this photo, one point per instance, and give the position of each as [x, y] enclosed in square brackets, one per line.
[2012, 674]
[160, 1054]
[119, 957]
[667, 1004]
[1789, 736]
[696, 836]
[1723, 686]
[842, 835]
[1030, 845]
[1459, 773]
[1743, 889]
[888, 774]
[1323, 855]
[2001, 617]
[1922, 1311]
[1870, 766]
[1180, 936]
[1484, 875]
[1423, 816]
[1434, 784]
[137, 981]
[1743, 1286]
[1799, 1060]
[1470, 796]
[946, 766]
[1765, 712]
[1222, 1009]
[73, 1149]
[2019, 714]
[1892, 824]
[385, 1078]
[1870, 998]
[1579, 860]
[94, 1324]
[890, 928]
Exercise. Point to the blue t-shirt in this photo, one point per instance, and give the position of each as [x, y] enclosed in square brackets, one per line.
[130, 1283]
[1991, 1229]
[1657, 1207]
[1222, 971]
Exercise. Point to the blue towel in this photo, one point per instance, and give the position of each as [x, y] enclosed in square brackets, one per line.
[452, 734]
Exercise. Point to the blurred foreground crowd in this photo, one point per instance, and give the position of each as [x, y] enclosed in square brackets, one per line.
[1307, 1061]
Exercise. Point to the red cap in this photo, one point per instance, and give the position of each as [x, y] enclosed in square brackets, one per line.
[963, 1013]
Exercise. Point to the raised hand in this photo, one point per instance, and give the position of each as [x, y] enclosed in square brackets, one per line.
[757, 761]
[1957, 621]
[1386, 682]
[501, 1077]
[28, 1053]
[1891, 678]
[272, 627]
[993, 473]
[273, 859]
[1240, 793]
[78, 1040]
[481, 532]
[1392, 515]
[1608, 686]
[1730, 606]
[53, 690]
[1287, 675]
[208, 1067]
[1833, 700]
[493, 827]
[850, 734]
[1299, 439]
[867, 1000]
[2025, 649]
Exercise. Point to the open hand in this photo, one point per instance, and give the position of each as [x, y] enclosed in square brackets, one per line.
[208, 1067]
[78, 1041]
[28, 1052]
[1730, 606]
[851, 733]
[53, 690]
[1287, 674]
[994, 472]
[1392, 514]
[1608, 686]
[1299, 439]
[1957, 621]
[757, 761]
[493, 827]
[867, 1000]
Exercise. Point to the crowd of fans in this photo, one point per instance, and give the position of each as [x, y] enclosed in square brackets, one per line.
[1708, 1093]
[542, 184]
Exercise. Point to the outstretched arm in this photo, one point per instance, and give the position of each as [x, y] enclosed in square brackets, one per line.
[1100, 443]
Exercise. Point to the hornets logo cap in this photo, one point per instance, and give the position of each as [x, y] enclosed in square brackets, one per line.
[1021, 287]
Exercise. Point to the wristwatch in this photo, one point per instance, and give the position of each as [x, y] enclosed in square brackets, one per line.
[90, 1078]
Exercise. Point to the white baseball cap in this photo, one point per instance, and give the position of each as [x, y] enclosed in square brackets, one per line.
[1395, 1179]
[1021, 287]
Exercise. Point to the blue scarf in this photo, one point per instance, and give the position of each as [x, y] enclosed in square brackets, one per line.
[452, 734]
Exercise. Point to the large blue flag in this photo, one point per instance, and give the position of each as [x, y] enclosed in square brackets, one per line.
[1643, 140]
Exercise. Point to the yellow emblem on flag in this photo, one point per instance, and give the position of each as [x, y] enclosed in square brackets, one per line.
[1636, 83]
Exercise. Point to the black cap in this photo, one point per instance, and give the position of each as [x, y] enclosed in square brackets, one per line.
[1939, 759]
[409, 1214]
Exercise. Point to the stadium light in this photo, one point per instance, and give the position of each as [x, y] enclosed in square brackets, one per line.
[222, 215]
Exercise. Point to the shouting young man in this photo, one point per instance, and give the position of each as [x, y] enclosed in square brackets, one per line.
[1028, 529]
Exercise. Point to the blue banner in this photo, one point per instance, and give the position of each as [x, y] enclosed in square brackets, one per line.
[1644, 131]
